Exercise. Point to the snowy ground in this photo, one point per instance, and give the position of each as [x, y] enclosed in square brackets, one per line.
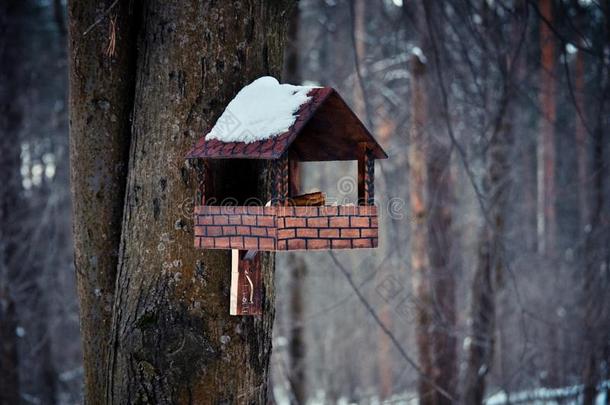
[539, 396]
[547, 396]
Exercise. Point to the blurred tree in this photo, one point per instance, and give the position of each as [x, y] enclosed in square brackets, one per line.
[491, 264]
[581, 131]
[441, 204]
[12, 14]
[547, 226]
[420, 263]
[431, 204]
[596, 281]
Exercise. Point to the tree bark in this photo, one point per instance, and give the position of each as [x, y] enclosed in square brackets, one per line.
[173, 340]
[101, 100]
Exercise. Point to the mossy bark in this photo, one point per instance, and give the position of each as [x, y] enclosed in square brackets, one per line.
[141, 101]
[173, 340]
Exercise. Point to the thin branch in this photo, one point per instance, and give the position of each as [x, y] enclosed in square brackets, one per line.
[571, 91]
[101, 17]
[387, 331]
[445, 104]
[562, 38]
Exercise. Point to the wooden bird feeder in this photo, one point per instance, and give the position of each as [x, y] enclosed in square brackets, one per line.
[324, 129]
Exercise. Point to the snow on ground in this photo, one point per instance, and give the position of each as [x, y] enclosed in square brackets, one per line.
[536, 396]
[261, 110]
[547, 396]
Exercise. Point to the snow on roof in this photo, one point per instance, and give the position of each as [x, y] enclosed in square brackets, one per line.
[261, 110]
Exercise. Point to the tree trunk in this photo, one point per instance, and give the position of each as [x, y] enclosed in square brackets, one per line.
[292, 63]
[490, 266]
[12, 17]
[298, 382]
[491, 255]
[359, 32]
[481, 343]
[173, 340]
[102, 80]
[547, 229]
[581, 141]
[597, 239]
[9, 357]
[442, 270]
[420, 265]
[386, 378]
[431, 204]
[41, 381]
[440, 203]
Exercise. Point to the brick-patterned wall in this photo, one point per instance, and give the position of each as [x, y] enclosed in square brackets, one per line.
[327, 227]
[245, 228]
[286, 228]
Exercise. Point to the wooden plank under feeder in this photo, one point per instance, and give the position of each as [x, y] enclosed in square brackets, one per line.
[246, 283]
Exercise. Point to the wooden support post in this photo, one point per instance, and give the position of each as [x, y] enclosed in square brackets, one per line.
[206, 186]
[294, 178]
[361, 176]
[279, 175]
[366, 177]
[284, 177]
[246, 283]
[369, 179]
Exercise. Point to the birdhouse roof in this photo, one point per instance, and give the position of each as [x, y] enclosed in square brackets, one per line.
[266, 119]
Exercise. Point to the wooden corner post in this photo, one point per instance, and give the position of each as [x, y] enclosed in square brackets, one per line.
[294, 177]
[366, 177]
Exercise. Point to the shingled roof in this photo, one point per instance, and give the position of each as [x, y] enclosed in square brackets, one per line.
[325, 128]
